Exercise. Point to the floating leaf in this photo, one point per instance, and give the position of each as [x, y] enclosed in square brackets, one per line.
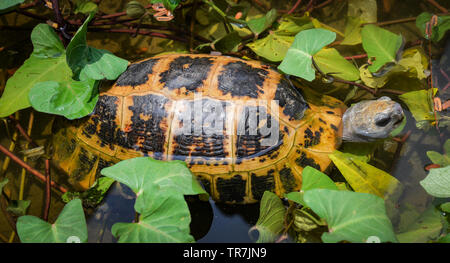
[427, 227]
[73, 99]
[441, 159]
[259, 25]
[311, 179]
[330, 61]
[437, 182]
[166, 220]
[91, 63]
[271, 218]
[291, 25]
[92, 196]
[352, 35]
[381, 46]
[273, 47]
[354, 217]
[6, 5]
[420, 104]
[298, 60]
[70, 225]
[366, 178]
[437, 31]
[38, 68]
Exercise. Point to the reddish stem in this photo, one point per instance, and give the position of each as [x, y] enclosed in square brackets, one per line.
[48, 194]
[294, 7]
[30, 169]
[438, 6]
[356, 57]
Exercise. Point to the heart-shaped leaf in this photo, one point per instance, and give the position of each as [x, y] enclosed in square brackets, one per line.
[381, 46]
[437, 182]
[427, 227]
[298, 60]
[91, 63]
[438, 30]
[351, 216]
[70, 226]
[259, 25]
[273, 47]
[72, 99]
[311, 179]
[330, 61]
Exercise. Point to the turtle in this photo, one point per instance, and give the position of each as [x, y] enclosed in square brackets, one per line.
[241, 126]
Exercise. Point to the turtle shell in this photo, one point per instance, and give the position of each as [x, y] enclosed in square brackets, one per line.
[154, 109]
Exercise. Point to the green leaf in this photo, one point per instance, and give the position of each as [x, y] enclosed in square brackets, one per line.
[365, 10]
[330, 61]
[445, 207]
[437, 182]
[18, 207]
[168, 4]
[3, 183]
[366, 178]
[273, 47]
[42, 65]
[444, 239]
[354, 217]
[312, 179]
[228, 43]
[437, 31]
[85, 7]
[441, 159]
[46, 42]
[167, 221]
[74, 99]
[271, 218]
[91, 63]
[420, 105]
[259, 25]
[427, 227]
[352, 31]
[70, 224]
[381, 46]
[291, 25]
[6, 5]
[143, 173]
[298, 60]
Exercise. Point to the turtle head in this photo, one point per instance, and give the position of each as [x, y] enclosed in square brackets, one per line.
[370, 120]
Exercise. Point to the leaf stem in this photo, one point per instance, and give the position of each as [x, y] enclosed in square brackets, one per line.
[294, 7]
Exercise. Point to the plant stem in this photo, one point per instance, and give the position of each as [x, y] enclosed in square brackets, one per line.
[30, 169]
[48, 194]
[438, 6]
[294, 7]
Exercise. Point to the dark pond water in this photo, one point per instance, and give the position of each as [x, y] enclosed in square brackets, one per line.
[211, 222]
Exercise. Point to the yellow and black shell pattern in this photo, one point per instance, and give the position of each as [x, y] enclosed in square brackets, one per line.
[139, 116]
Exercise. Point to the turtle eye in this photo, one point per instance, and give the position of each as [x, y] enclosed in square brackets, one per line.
[383, 121]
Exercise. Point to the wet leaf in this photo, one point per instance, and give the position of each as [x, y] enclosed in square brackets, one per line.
[441, 159]
[166, 220]
[351, 216]
[72, 99]
[427, 227]
[311, 179]
[18, 207]
[271, 218]
[273, 47]
[420, 104]
[330, 61]
[381, 46]
[70, 223]
[259, 25]
[291, 25]
[306, 43]
[438, 30]
[6, 5]
[437, 182]
[91, 63]
[352, 35]
[85, 7]
[366, 178]
[42, 67]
